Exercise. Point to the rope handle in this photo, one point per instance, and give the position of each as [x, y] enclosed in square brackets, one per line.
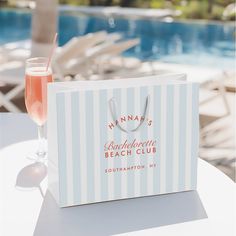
[113, 110]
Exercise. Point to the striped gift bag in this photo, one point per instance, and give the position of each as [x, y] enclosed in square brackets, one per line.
[110, 140]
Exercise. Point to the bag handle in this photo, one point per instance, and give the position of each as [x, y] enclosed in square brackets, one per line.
[113, 110]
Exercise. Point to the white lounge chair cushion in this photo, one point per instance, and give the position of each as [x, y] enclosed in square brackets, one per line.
[12, 72]
[125, 62]
[18, 54]
[78, 45]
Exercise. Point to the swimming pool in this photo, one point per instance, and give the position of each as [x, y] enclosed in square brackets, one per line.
[205, 44]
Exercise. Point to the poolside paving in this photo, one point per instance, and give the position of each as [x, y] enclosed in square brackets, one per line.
[116, 11]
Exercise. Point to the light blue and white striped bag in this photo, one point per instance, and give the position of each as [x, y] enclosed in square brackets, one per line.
[110, 140]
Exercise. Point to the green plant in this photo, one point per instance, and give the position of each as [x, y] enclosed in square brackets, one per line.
[233, 16]
[157, 3]
[191, 9]
[217, 12]
[195, 9]
[74, 2]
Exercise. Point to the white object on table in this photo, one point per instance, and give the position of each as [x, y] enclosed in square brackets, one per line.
[24, 211]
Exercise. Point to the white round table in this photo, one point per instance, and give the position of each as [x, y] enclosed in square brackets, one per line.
[27, 208]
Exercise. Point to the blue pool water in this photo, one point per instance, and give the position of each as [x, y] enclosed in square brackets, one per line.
[192, 43]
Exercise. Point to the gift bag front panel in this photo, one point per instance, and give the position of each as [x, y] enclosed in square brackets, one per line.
[101, 159]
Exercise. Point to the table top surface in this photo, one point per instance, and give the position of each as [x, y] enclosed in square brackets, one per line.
[27, 208]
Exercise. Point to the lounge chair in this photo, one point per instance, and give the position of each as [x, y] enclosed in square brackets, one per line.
[209, 119]
[15, 51]
[12, 73]
[102, 56]
[75, 52]
[78, 45]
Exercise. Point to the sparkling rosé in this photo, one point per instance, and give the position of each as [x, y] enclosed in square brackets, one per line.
[36, 80]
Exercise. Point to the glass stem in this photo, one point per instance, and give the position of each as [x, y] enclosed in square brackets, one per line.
[41, 148]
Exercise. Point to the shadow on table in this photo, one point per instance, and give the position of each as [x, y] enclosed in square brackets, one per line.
[118, 217]
[31, 176]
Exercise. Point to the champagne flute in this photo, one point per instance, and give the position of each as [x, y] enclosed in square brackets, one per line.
[37, 75]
